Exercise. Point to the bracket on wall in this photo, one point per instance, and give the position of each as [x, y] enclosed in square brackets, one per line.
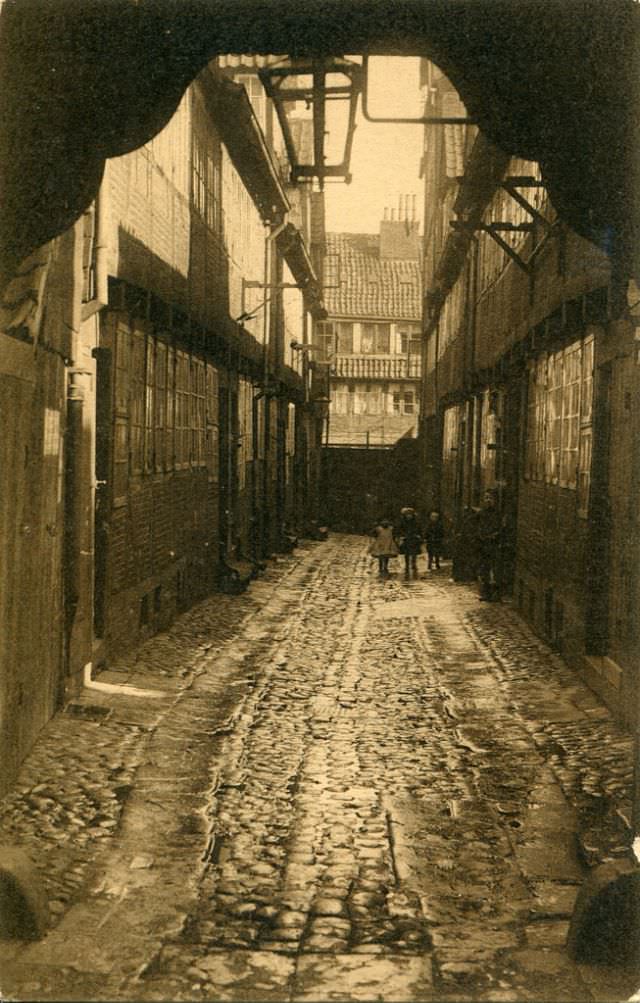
[512, 186]
[494, 230]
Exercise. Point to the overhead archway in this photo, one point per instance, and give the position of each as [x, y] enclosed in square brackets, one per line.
[549, 80]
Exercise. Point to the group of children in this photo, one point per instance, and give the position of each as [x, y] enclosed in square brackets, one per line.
[406, 538]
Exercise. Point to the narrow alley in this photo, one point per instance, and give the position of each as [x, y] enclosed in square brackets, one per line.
[331, 787]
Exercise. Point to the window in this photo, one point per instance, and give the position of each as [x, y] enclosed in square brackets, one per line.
[344, 338]
[159, 420]
[570, 416]
[197, 413]
[585, 434]
[374, 399]
[255, 93]
[559, 417]
[410, 343]
[212, 406]
[137, 400]
[404, 402]
[206, 180]
[183, 430]
[149, 406]
[170, 436]
[340, 400]
[490, 435]
[553, 441]
[535, 441]
[375, 339]
[334, 337]
[245, 429]
[325, 339]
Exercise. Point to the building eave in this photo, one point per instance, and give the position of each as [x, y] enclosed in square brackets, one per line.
[244, 140]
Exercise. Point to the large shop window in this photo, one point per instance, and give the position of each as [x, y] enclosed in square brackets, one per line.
[559, 417]
[376, 339]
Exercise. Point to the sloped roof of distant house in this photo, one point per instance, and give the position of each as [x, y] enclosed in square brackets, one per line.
[365, 285]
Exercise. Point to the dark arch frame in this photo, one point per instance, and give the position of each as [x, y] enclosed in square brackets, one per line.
[551, 80]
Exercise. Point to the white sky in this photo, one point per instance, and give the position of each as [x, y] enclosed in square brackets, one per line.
[385, 160]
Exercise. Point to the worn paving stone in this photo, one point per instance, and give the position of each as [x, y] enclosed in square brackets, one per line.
[398, 775]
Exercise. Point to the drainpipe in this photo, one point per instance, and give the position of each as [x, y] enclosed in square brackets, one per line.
[79, 448]
[100, 256]
[76, 478]
[273, 234]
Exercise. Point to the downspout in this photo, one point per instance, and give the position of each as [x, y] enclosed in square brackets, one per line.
[100, 258]
[79, 471]
[275, 231]
[273, 235]
[73, 474]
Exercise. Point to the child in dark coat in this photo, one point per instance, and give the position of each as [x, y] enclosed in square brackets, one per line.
[410, 540]
[434, 536]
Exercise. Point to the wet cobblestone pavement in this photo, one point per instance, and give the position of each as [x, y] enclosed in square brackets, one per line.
[336, 787]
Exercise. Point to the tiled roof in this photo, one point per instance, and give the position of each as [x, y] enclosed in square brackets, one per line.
[246, 62]
[367, 286]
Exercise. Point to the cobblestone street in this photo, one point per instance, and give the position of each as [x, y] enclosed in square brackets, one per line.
[331, 787]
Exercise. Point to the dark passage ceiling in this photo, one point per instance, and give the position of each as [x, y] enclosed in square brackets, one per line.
[551, 80]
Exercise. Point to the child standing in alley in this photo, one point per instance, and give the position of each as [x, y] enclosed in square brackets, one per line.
[410, 535]
[434, 535]
[384, 546]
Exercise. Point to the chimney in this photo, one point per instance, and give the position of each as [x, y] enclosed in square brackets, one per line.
[400, 238]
